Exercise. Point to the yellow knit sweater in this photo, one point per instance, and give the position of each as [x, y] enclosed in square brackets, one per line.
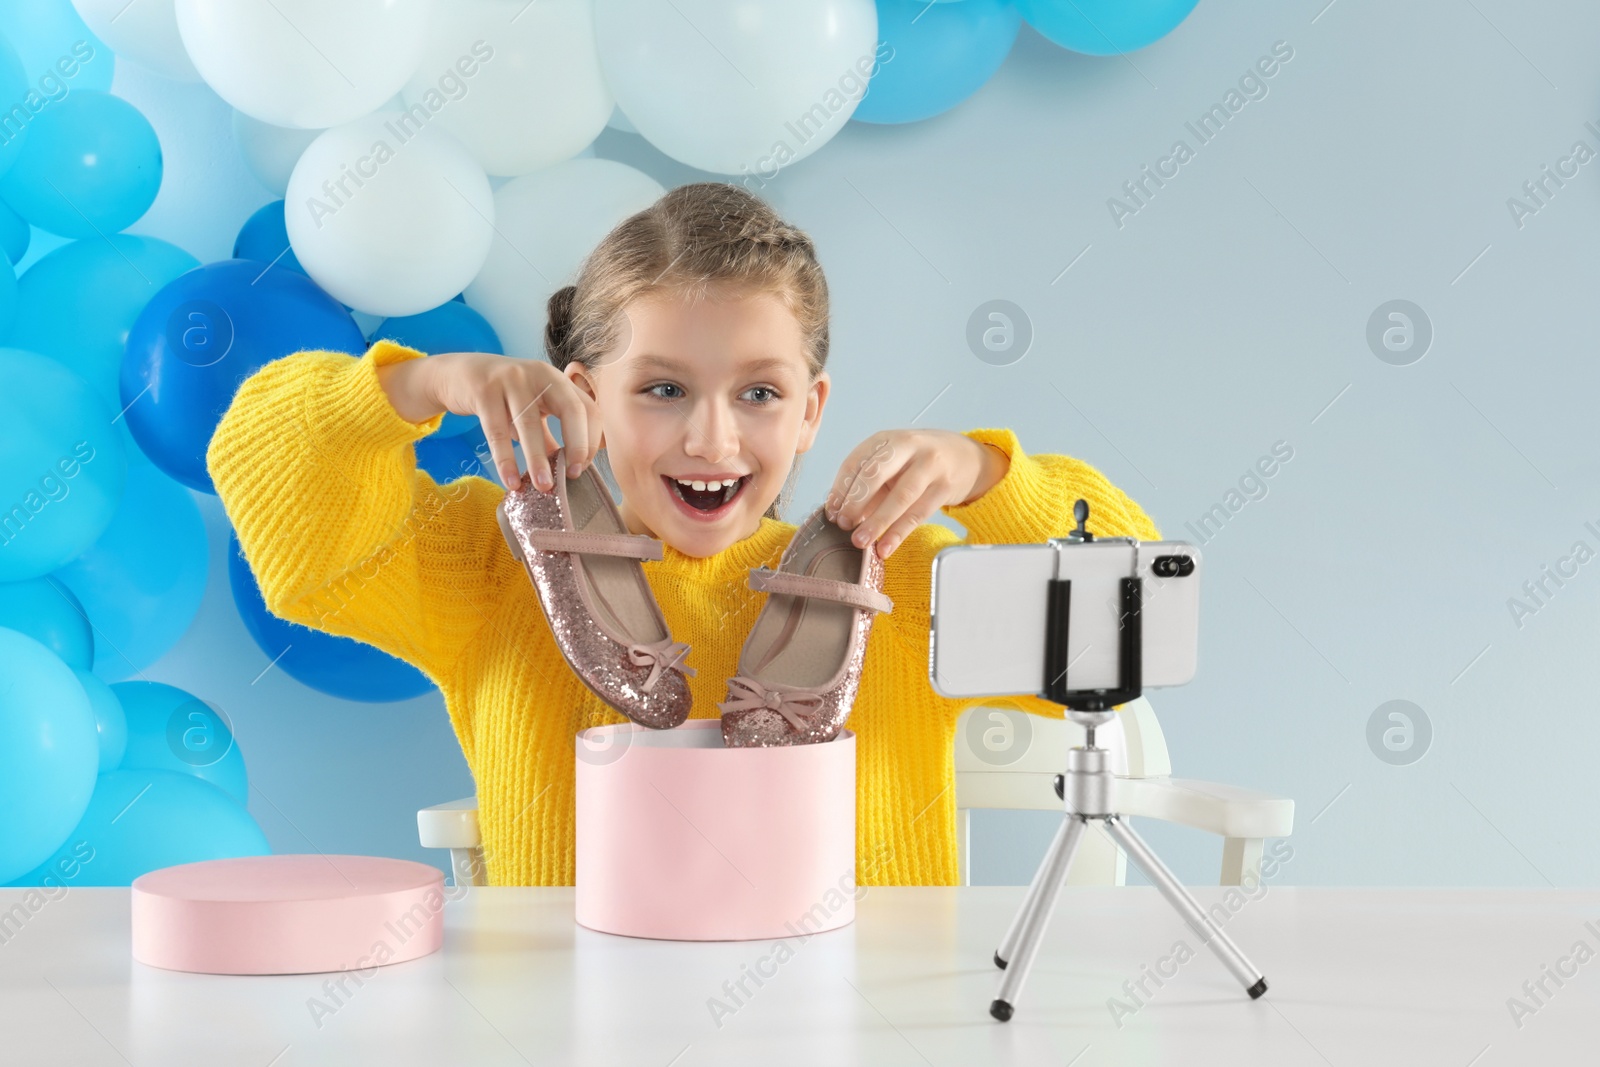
[345, 534]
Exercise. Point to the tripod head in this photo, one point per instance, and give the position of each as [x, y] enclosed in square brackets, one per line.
[1089, 719]
[1080, 512]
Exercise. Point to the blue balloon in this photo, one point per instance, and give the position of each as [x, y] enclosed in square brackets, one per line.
[13, 124]
[142, 581]
[15, 233]
[78, 302]
[265, 237]
[173, 730]
[49, 752]
[62, 469]
[58, 52]
[339, 666]
[141, 820]
[449, 458]
[1104, 27]
[201, 337]
[451, 327]
[941, 55]
[110, 721]
[92, 166]
[48, 612]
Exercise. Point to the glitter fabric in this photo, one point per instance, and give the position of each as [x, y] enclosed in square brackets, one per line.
[764, 715]
[640, 675]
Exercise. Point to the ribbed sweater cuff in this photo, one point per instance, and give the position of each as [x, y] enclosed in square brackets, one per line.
[1010, 512]
[351, 411]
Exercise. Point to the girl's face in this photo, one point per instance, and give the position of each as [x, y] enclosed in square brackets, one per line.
[709, 391]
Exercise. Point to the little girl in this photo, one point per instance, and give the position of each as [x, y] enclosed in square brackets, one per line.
[694, 340]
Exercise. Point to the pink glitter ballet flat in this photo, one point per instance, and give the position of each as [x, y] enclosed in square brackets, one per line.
[801, 665]
[585, 565]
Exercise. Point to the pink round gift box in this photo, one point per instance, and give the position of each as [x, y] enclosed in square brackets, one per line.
[683, 839]
[287, 914]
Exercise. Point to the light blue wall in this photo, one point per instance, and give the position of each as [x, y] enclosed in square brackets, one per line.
[1228, 313]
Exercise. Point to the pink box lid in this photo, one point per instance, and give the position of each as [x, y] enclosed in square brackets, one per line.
[287, 914]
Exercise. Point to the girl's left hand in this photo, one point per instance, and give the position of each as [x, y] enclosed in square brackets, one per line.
[896, 479]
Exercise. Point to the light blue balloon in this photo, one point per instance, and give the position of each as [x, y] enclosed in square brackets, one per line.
[172, 730]
[49, 752]
[92, 166]
[58, 51]
[62, 469]
[941, 55]
[13, 90]
[111, 723]
[78, 302]
[8, 298]
[15, 234]
[142, 581]
[141, 820]
[48, 612]
[1104, 27]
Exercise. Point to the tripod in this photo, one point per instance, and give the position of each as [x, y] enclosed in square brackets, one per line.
[1086, 792]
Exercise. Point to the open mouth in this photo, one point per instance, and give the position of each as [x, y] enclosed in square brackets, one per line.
[708, 501]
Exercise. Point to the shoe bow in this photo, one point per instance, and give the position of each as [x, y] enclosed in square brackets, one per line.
[659, 655]
[783, 701]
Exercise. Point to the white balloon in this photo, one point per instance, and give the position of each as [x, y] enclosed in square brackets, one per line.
[519, 84]
[737, 86]
[305, 63]
[270, 152]
[545, 224]
[389, 217]
[145, 31]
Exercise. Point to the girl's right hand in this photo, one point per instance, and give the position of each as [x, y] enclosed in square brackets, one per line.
[512, 398]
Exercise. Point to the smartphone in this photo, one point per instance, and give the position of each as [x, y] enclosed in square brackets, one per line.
[989, 606]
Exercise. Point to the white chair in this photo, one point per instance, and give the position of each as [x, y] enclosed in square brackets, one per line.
[1243, 818]
[454, 825]
[1144, 786]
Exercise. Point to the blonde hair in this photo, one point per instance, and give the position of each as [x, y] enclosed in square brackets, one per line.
[696, 239]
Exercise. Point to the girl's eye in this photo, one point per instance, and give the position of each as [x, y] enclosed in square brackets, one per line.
[770, 394]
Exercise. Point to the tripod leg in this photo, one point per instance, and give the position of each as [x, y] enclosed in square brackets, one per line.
[1027, 929]
[1030, 902]
[1180, 898]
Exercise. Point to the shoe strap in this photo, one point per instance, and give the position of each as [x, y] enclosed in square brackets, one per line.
[771, 581]
[634, 546]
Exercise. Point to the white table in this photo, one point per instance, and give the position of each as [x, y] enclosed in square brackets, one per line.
[1357, 976]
